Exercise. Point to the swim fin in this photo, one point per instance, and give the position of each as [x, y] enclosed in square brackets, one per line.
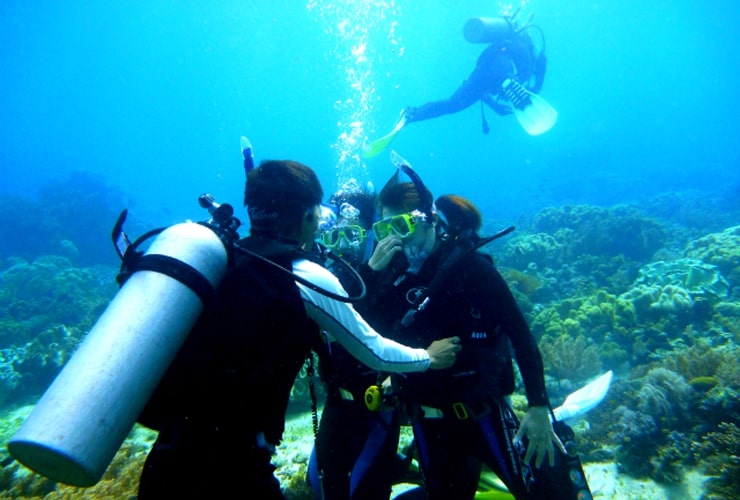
[533, 112]
[379, 145]
[587, 397]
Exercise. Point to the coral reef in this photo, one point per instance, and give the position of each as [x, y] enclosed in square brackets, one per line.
[72, 217]
[602, 231]
[574, 359]
[718, 453]
[602, 288]
[719, 249]
[45, 308]
[522, 250]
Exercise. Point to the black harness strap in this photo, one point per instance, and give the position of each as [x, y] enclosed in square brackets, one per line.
[464, 245]
[182, 272]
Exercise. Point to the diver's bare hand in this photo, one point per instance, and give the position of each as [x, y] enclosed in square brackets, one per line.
[384, 252]
[536, 425]
[442, 353]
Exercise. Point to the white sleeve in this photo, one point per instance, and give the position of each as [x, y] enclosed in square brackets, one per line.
[345, 325]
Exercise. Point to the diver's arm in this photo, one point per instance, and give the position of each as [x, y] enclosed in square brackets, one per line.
[512, 322]
[346, 326]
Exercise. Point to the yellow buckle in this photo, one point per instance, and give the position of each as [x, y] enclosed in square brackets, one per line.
[460, 411]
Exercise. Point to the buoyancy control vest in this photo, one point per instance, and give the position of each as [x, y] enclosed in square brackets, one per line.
[483, 367]
[441, 303]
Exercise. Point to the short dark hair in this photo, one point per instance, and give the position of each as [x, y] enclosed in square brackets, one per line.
[401, 196]
[278, 193]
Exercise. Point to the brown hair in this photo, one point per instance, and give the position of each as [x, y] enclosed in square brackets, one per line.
[460, 213]
[400, 196]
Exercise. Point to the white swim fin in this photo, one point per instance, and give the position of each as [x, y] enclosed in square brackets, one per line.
[584, 399]
[532, 111]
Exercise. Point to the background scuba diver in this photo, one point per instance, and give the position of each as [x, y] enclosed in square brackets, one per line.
[461, 417]
[507, 77]
[220, 408]
[349, 234]
[355, 448]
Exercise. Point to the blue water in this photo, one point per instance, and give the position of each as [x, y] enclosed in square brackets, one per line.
[141, 104]
[154, 97]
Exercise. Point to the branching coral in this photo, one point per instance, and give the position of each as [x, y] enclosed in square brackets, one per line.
[633, 430]
[719, 455]
[570, 358]
[665, 395]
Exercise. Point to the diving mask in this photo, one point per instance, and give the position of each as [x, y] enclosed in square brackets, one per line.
[353, 235]
[402, 225]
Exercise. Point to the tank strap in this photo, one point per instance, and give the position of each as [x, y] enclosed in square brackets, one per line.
[182, 272]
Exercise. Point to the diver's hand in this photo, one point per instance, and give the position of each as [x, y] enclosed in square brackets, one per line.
[384, 252]
[536, 425]
[442, 353]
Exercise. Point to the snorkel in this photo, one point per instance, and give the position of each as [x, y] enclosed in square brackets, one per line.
[427, 200]
[417, 254]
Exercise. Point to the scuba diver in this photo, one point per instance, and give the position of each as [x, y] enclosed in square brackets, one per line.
[348, 232]
[355, 448]
[507, 77]
[425, 277]
[220, 407]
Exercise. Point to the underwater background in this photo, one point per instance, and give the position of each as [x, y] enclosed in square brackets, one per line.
[626, 255]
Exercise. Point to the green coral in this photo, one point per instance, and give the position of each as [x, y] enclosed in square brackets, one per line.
[720, 250]
[584, 229]
[608, 321]
[542, 248]
[48, 292]
[679, 286]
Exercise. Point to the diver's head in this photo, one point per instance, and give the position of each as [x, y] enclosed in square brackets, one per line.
[349, 234]
[282, 199]
[404, 215]
[460, 215]
[358, 201]
[402, 197]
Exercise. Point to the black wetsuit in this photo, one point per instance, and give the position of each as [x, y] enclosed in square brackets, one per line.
[496, 63]
[460, 415]
[220, 408]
